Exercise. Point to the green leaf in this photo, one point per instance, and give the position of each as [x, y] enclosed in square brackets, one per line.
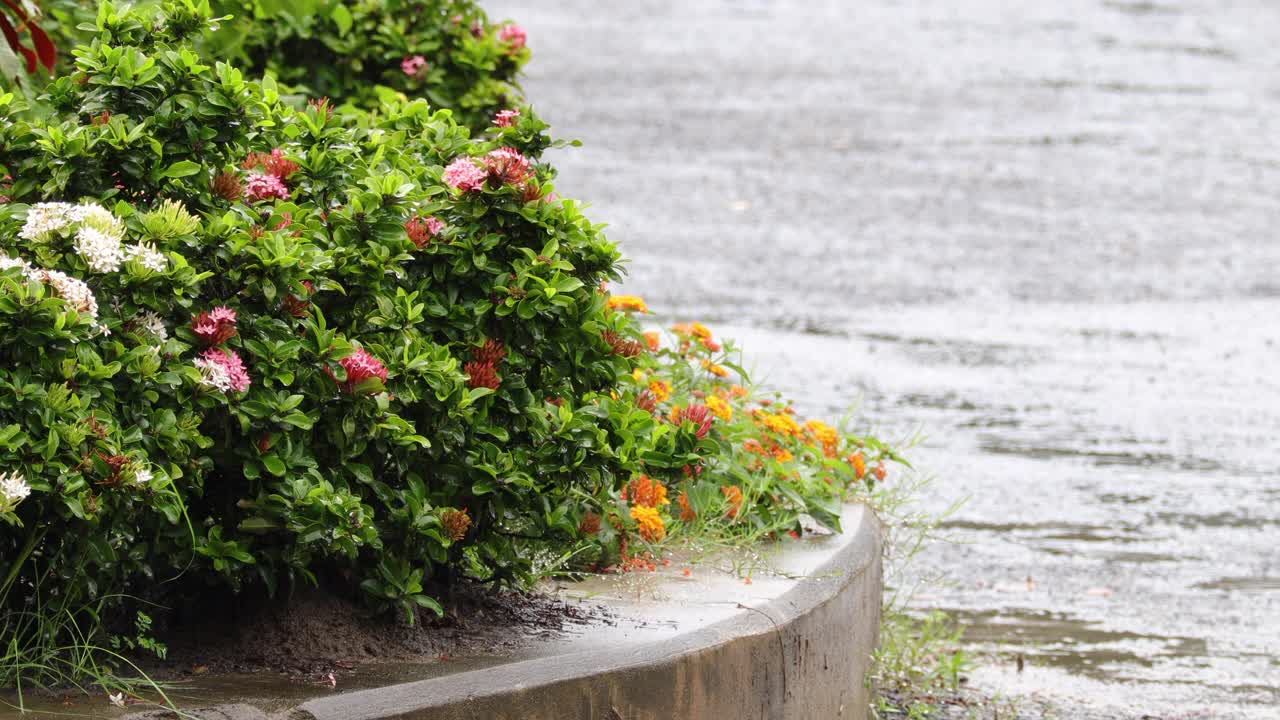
[341, 17]
[274, 465]
[180, 169]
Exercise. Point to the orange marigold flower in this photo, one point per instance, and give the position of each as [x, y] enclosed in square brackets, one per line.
[700, 331]
[714, 369]
[648, 523]
[781, 454]
[653, 340]
[859, 464]
[455, 523]
[661, 390]
[733, 496]
[720, 408]
[590, 524]
[752, 445]
[628, 303]
[738, 391]
[686, 510]
[644, 490]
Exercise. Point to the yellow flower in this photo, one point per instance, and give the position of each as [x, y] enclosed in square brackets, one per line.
[826, 436]
[720, 407]
[638, 374]
[661, 390]
[628, 303]
[700, 331]
[714, 369]
[780, 423]
[648, 523]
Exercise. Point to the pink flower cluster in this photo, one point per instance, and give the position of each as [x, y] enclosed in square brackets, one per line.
[465, 175]
[360, 366]
[514, 36]
[216, 327]
[508, 166]
[223, 369]
[701, 416]
[261, 186]
[422, 229]
[411, 66]
[504, 166]
[269, 182]
[506, 118]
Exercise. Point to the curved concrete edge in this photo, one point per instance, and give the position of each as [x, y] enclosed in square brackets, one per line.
[802, 656]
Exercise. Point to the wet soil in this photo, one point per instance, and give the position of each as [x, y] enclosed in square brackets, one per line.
[319, 636]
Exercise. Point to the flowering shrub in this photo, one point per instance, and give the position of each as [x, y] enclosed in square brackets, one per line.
[740, 467]
[254, 344]
[246, 344]
[446, 51]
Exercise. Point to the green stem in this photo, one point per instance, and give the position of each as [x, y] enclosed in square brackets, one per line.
[33, 538]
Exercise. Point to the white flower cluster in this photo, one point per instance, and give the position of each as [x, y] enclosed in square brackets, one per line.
[147, 256]
[99, 236]
[72, 291]
[7, 262]
[13, 490]
[101, 251]
[151, 324]
[141, 474]
[44, 219]
[214, 375]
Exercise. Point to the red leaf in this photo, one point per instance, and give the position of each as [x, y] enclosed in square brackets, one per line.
[45, 49]
[11, 36]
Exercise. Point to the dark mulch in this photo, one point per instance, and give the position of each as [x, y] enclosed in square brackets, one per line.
[316, 633]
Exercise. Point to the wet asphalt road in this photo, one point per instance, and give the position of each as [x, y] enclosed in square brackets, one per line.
[1044, 233]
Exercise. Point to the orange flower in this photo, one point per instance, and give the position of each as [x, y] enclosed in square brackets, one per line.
[753, 446]
[714, 369]
[738, 391]
[628, 303]
[455, 523]
[646, 491]
[661, 390]
[859, 464]
[825, 435]
[590, 524]
[648, 523]
[880, 471]
[720, 408]
[780, 423]
[686, 510]
[700, 331]
[653, 339]
[733, 496]
[782, 454]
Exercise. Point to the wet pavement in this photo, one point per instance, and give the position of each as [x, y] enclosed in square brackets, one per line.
[1042, 233]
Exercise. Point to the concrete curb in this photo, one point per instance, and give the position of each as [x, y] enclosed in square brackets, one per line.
[802, 656]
